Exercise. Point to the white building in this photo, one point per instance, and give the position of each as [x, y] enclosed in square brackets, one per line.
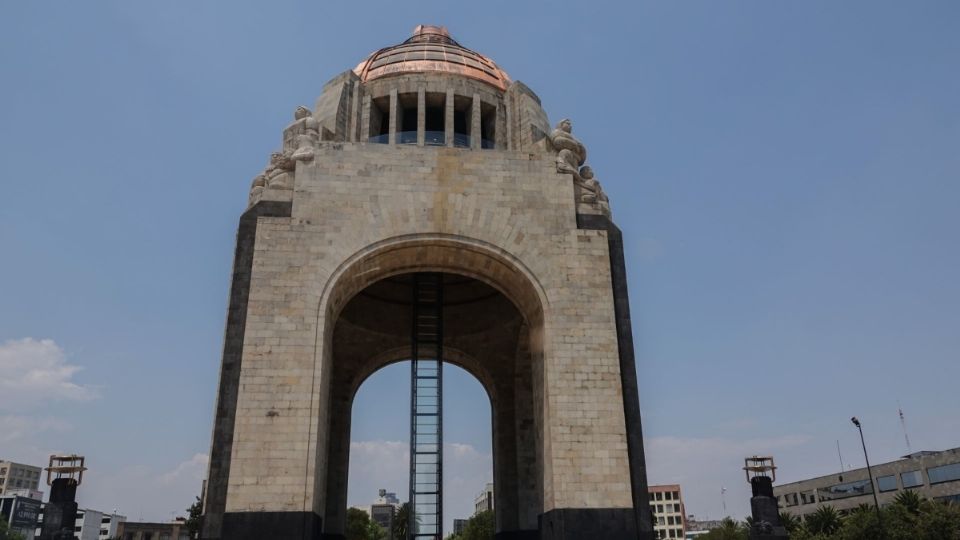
[93, 524]
[19, 479]
[484, 500]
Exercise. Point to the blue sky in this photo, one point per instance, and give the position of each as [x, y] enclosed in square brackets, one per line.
[787, 177]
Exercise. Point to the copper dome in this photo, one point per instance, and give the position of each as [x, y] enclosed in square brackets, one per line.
[431, 49]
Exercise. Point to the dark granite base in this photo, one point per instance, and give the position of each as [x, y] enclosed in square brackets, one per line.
[584, 523]
[517, 535]
[331, 536]
[273, 525]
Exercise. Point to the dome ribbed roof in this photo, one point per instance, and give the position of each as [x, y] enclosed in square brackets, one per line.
[431, 49]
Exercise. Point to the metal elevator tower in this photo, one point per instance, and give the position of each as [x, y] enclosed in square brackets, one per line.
[426, 409]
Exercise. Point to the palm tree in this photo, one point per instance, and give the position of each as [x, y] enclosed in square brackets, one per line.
[401, 521]
[790, 522]
[825, 521]
[909, 500]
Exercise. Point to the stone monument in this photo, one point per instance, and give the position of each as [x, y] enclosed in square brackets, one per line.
[427, 159]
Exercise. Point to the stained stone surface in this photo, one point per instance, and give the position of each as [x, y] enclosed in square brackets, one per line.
[317, 305]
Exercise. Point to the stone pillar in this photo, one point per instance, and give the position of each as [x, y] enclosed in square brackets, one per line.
[365, 118]
[448, 119]
[475, 134]
[421, 115]
[393, 117]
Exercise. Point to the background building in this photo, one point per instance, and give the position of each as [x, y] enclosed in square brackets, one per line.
[666, 505]
[933, 475]
[459, 525]
[175, 530]
[93, 525]
[384, 510]
[21, 513]
[15, 477]
[484, 500]
[695, 527]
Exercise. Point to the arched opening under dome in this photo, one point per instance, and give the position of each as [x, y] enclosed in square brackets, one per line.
[485, 334]
[379, 449]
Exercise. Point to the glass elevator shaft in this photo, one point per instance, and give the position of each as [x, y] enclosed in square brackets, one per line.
[426, 409]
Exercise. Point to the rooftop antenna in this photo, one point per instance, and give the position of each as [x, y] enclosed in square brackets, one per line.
[903, 424]
[839, 455]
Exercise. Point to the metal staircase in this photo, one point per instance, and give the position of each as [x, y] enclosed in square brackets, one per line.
[426, 409]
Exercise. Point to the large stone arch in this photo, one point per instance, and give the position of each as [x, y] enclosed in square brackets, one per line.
[500, 345]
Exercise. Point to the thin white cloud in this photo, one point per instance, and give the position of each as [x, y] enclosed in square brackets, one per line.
[193, 470]
[15, 427]
[36, 372]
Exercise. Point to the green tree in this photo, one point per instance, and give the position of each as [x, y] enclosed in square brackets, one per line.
[6, 533]
[358, 524]
[791, 522]
[194, 513]
[480, 526]
[376, 532]
[825, 521]
[400, 521]
[910, 501]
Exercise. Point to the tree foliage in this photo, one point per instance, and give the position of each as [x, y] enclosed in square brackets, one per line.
[909, 517]
[361, 527]
[479, 527]
[6, 533]
[194, 513]
[400, 522]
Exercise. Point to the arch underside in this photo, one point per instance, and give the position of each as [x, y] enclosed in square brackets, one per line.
[485, 334]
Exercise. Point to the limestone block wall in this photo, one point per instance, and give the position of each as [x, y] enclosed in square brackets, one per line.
[352, 196]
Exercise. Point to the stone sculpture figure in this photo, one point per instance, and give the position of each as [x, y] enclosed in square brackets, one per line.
[308, 134]
[278, 172]
[590, 189]
[570, 152]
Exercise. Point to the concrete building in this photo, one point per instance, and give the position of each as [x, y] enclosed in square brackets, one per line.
[484, 500]
[174, 530]
[698, 527]
[933, 475]
[16, 477]
[429, 161]
[92, 524]
[459, 525]
[384, 509]
[666, 505]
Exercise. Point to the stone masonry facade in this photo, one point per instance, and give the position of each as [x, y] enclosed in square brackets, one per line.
[335, 213]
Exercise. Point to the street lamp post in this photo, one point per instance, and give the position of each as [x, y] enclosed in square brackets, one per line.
[873, 486]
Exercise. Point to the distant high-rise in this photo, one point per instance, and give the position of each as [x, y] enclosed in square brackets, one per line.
[666, 505]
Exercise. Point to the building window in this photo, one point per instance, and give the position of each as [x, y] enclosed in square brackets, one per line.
[661, 520]
[676, 495]
[659, 508]
[887, 483]
[807, 497]
[842, 491]
[666, 496]
[944, 473]
[380, 120]
[791, 499]
[659, 496]
[435, 119]
[911, 479]
[676, 508]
